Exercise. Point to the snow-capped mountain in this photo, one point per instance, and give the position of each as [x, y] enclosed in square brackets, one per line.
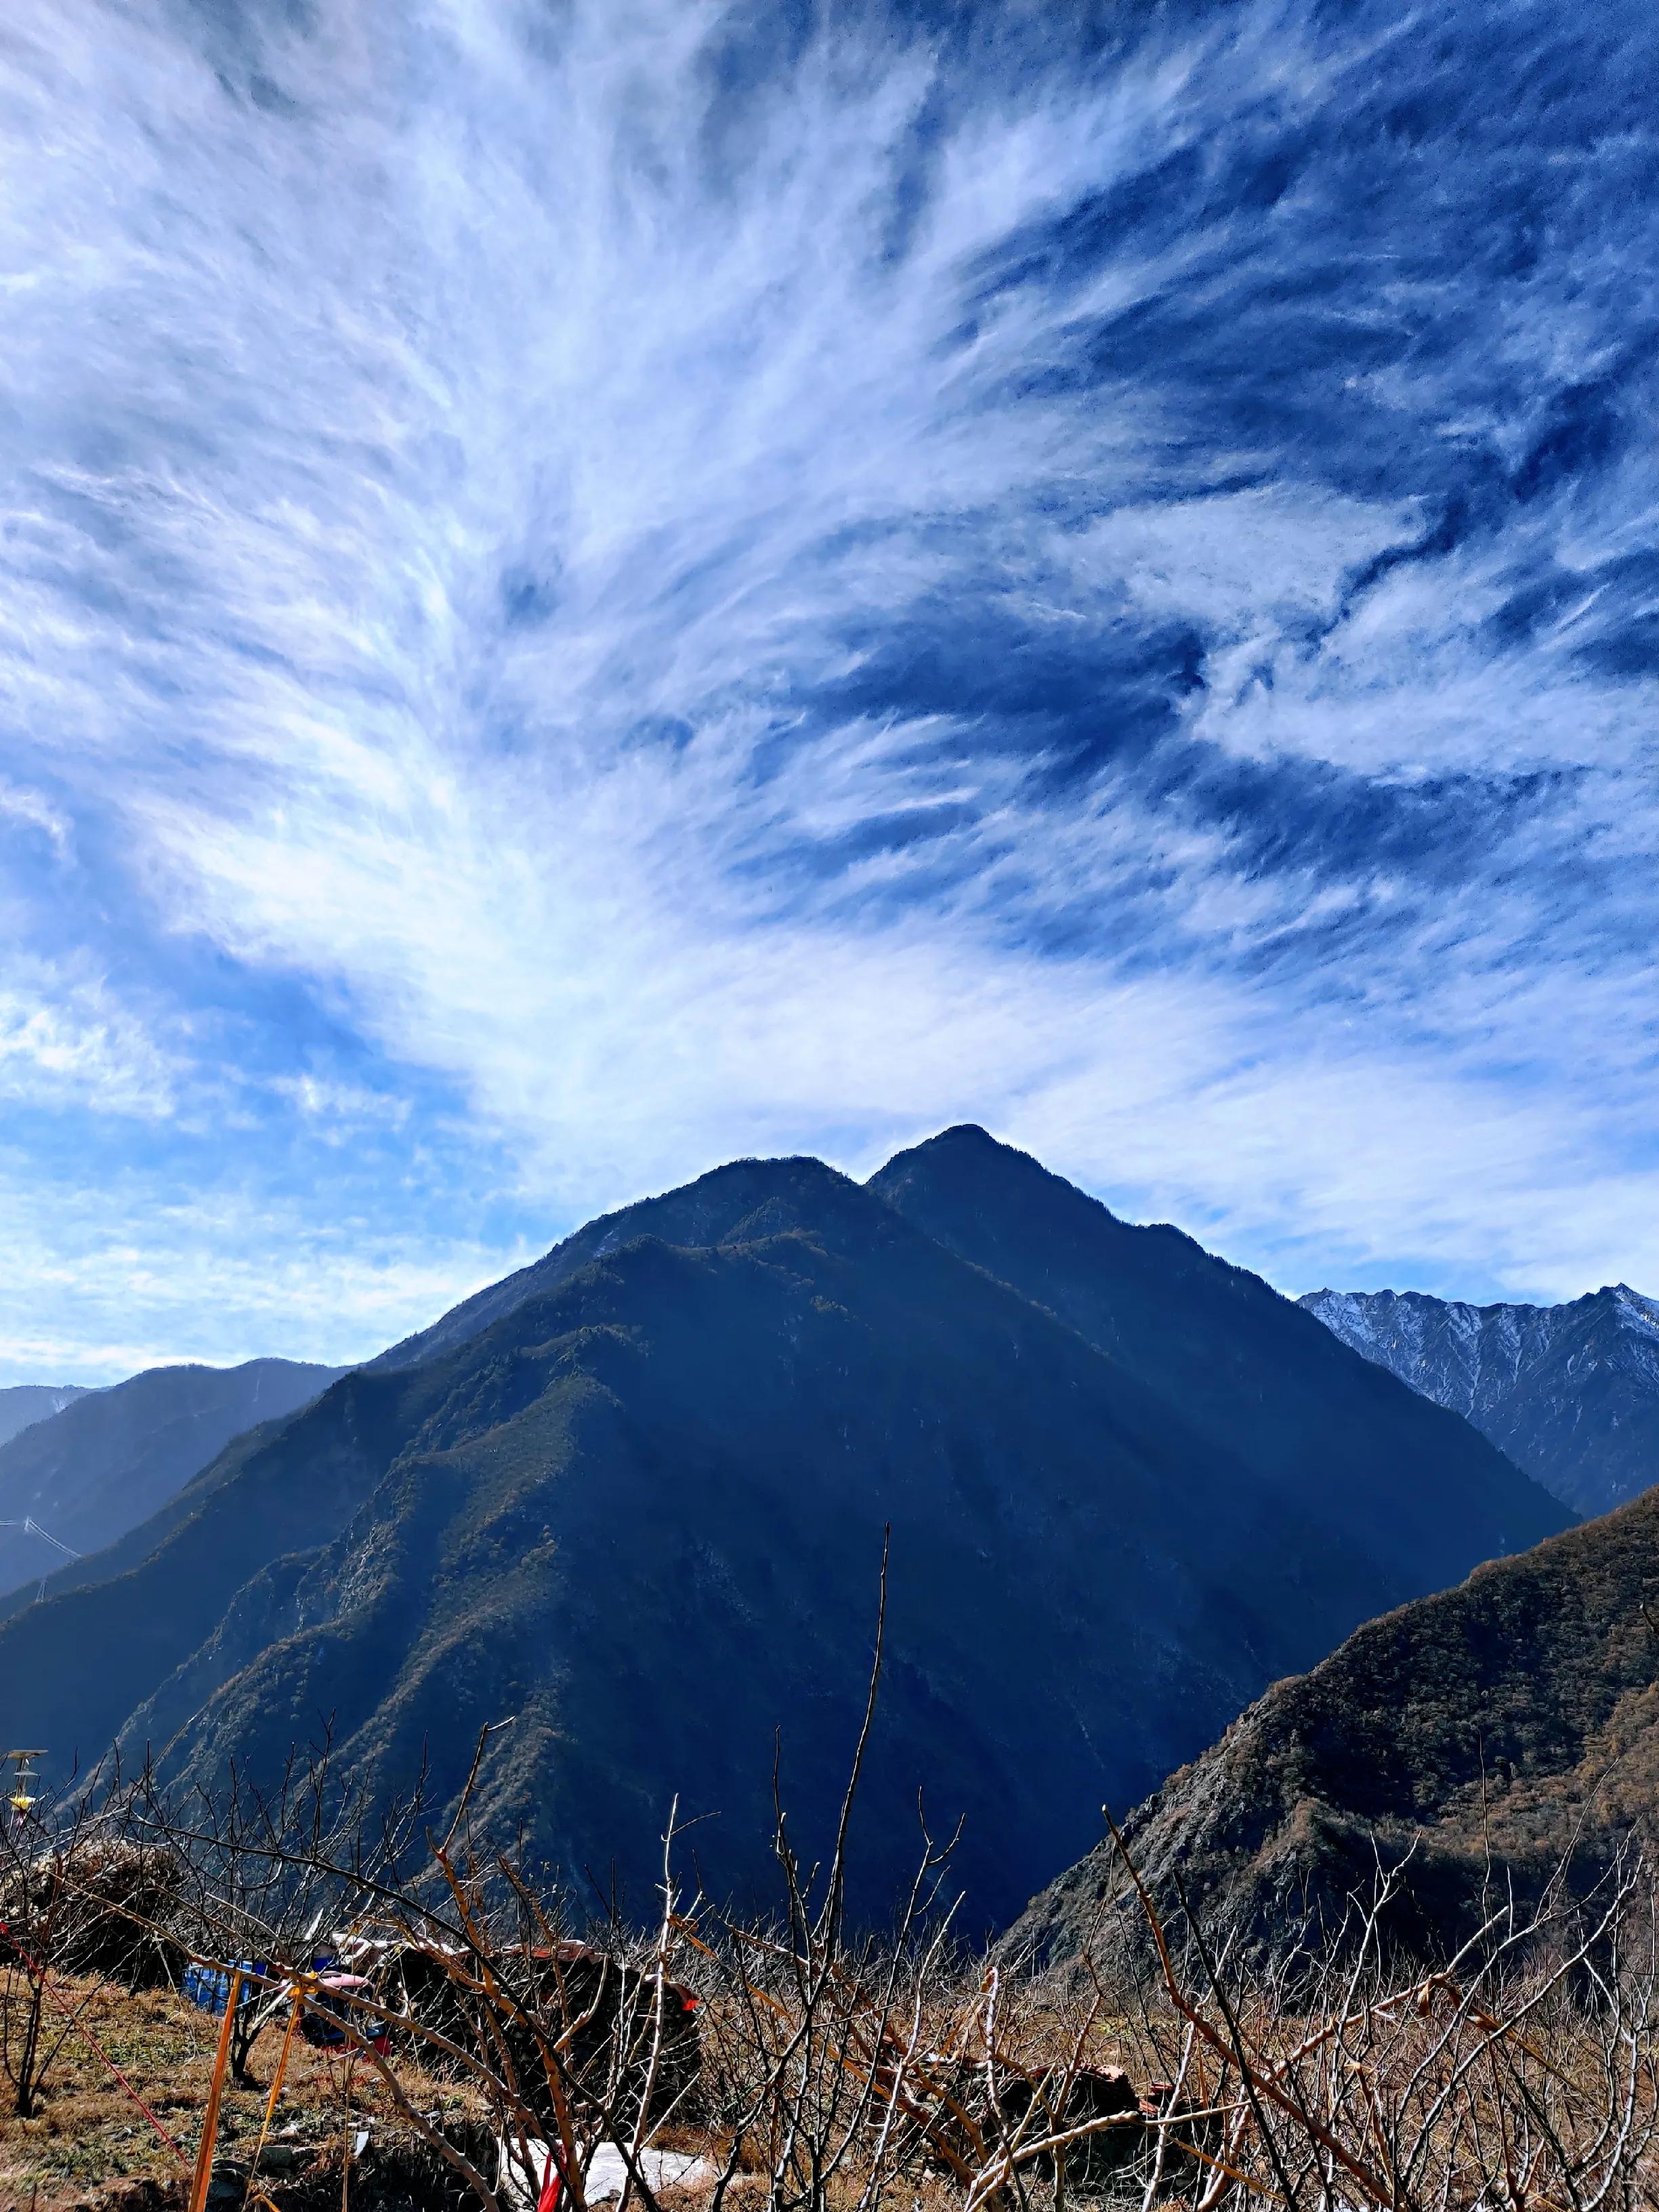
[1570, 1391]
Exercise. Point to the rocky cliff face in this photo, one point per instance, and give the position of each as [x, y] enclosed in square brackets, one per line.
[1570, 1391]
[1490, 1735]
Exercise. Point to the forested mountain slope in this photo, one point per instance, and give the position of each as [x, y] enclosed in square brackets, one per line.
[108, 1459]
[25, 1403]
[1491, 1732]
[1332, 1432]
[641, 1512]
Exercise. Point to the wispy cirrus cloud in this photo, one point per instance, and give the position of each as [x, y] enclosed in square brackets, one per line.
[65, 1040]
[117, 1283]
[619, 585]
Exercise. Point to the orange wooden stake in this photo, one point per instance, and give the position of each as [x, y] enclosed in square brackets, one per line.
[198, 2187]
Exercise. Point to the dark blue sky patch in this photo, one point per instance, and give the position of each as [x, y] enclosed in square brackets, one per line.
[1626, 653]
[1313, 824]
[530, 596]
[1078, 694]
[1581, 433]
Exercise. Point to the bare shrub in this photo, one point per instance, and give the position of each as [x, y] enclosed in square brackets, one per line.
[808, 2066]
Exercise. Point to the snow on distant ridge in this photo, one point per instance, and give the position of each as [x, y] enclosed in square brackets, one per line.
[1571, 1392]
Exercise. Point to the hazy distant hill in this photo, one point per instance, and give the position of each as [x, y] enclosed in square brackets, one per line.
[25, 1403]
[1517, 1715]
[109, 1458]
[1570, 1391]
[640, 1511]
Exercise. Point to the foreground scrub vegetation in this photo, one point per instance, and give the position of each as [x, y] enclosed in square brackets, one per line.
[416, 2024]
[88, 2142]
[397, 2018]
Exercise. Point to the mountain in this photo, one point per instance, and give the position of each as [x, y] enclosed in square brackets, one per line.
[25, 1403]
[1336, 1437]
[698, 1214]
[639, 1511]
[1490, 1730]
[108, 1459]
[1570, 1391]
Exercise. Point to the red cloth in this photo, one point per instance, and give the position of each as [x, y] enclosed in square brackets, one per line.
[551, 2185]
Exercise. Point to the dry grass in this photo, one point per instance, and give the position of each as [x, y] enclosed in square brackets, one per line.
[87, 2133]
[1415, 2097]
[825, 2071]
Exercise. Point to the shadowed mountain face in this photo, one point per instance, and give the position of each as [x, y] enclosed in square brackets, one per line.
[743, 1198]
[1570, 1391]
[1517, 1714]
[28, 1402]
[108, 1459]
[640, 1510]
[1334, 1437]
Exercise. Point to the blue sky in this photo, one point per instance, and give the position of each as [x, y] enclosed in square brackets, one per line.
[589, 587]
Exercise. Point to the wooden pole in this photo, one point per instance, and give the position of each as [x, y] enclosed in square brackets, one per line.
[198, 2187]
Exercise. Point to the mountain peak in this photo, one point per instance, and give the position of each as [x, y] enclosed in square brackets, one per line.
[740, 1200]
[965, 1152]
[1571, 1392]
[1634, 1309]
[101, 1460]
[766, 1367]
[968, 1132]
[966, 1139]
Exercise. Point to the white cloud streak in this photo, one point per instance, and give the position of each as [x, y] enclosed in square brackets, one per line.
[471, 477]
[64, 1038]
[97, 1287]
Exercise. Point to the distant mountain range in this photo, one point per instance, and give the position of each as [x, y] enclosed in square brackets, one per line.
[1490, 1731]
[104, 1460]
[1570, 1391]
[633, 1499]
[28, 1402]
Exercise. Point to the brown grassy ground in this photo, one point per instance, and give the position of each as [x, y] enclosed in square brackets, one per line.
[88, 2133]
[1424, 2100]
